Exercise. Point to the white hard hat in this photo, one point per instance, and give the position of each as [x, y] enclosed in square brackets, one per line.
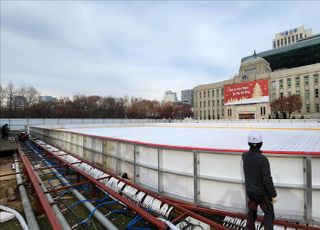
[254, 137]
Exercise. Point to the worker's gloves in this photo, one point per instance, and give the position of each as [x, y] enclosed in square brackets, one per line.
[274, 199]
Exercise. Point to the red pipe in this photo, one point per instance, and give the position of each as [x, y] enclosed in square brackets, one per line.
[40, 194]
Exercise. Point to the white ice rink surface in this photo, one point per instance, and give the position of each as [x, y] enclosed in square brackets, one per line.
[276, 137]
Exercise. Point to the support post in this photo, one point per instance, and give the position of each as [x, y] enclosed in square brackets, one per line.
[195, 177]
[308, 189]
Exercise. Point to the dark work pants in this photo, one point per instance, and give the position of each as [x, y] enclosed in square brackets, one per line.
[267, 208]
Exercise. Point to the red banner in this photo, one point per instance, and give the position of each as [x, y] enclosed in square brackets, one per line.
[246, 92]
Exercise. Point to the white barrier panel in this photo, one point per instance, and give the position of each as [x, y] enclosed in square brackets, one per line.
[280, 173]
[228, 166]
[148, 156]
[127, 152]
[128, 168]
[179, 186]
[111, 148]
[316, 173]
[171, 157]
[290, 203]
[148, 178]
[222, 194]
[316, 205]
[111, 164]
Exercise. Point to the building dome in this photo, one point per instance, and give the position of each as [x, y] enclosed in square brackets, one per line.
[254, 65]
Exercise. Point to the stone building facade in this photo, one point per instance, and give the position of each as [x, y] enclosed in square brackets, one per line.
[304, 81]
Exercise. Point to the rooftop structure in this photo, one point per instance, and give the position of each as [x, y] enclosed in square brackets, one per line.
[170, 96]
[302, 53]
[187, 96]
[291, 36]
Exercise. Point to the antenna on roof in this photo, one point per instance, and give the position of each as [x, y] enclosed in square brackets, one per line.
[254, 53]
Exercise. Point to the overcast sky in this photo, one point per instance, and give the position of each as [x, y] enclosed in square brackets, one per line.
[138, 49]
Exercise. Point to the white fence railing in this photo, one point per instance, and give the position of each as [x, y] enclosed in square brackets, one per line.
[19, 124]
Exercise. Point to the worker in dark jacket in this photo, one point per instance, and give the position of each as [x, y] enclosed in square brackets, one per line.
[5, 131]
[258, 182]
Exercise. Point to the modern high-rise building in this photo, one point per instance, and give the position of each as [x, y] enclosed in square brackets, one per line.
[291, 36]
[47, 98]
[262, 78]
[170, 96]
[187, 96]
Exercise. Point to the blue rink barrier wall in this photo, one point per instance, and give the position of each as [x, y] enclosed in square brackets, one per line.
[207, 177]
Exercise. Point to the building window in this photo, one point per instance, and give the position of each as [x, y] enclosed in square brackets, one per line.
[273, 85]
[208, 103]
[292, 38]
[222, 92]
[306, 94]
[278, 43]
[281, 84]
[289, 82]
[273, 96]
[204, 94]
[306, 80]
[307, 108]
[222, 101]
[218, 92]
[218, 103]
[263, 111]
[200, 95]
[212, 93]
[200, 104]
[297, 37]
[297, 81]
[316, 78]
[316, 93]
[285, 41]
[301, 36]
[213, 103]
[281, 42]
[274, 44]
[289, 40]
[317, 107]
[281, 94]
[289, 93]
[204, 104]
[298, 93]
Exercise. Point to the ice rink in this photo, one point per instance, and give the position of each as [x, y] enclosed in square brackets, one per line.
[276, 137]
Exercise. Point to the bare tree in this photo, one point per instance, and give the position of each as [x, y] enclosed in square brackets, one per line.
[293, 104]
[10, 90]
[28, 96]
[286, 105]
[2, 95]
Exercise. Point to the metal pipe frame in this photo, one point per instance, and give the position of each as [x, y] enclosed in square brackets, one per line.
[152, 219]
[56, 225]
[147, 216]
[31, 219]
[99, 216]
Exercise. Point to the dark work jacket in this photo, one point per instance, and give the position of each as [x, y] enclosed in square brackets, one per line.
[257, 174]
